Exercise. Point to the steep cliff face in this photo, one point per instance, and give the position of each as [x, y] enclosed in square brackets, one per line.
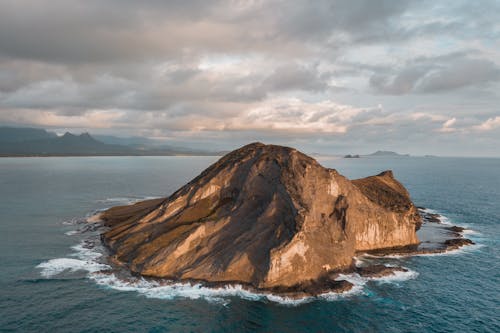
[264, 215]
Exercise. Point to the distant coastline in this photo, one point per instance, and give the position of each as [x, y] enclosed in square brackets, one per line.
[35, 142]
[110, 155]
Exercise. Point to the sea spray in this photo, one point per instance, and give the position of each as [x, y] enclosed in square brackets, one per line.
[88, 256]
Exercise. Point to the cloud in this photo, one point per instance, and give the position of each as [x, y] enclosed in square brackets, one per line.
[82, 32]
[402, 83]
[366, 71]
[89, 119]
[489, 125]
[283, 115]
[441, 74]
[448, 126]
[293, 115]
[460, 74]
[292, 77]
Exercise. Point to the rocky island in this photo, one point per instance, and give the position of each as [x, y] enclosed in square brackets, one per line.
[267, 217]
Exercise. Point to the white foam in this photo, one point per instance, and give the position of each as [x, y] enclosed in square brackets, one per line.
[72, 232]
[358, 261]
[86, 261]
[102, 275]
[87, 258]
[445, 220]
[428, 210]
[397, 276]
[56, 266]
[359, 281]
[283, 300]
[85, 253]
[169, 290]
[470, 232]
[119, 199]
[74, 221]
[461, 250]
[127, 200]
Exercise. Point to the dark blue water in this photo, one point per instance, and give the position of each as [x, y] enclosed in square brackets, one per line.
[41, 198]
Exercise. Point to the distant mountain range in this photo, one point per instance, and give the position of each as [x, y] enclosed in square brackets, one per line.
[39, 142]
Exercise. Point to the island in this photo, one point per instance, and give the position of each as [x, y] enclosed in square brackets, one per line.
[387, 153]
[266, 217]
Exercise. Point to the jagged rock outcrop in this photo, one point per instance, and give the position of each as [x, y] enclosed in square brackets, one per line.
[263, 215]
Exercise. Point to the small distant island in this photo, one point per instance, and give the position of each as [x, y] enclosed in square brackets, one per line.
[378, 153]
[23, 142]
[387, 153]
[271, 219]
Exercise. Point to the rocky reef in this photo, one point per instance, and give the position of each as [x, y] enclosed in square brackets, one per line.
[267, 217]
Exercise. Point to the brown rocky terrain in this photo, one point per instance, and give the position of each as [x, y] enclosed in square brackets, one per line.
[436, 237]
[265, 216]
[378, 271]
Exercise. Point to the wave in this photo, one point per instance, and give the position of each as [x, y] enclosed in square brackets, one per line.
[461, 250]
[397, 276]
[74, 221]
[57, 266]
[169, 290]
[84, 252]
[443, 219]
[127, 200]
[86, 260]
[87, 257]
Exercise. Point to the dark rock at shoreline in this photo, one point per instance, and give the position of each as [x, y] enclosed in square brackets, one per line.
[378, 271]
[456, 243]
[313, 288]
[445, 246]
[431, 217]
[456, 229]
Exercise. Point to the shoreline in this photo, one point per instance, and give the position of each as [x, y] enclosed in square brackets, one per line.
[366, 265]
[331, 282]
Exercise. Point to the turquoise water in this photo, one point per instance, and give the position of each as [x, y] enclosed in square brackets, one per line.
[42, 199]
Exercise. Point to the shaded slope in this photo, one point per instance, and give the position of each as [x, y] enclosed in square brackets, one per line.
[264, 215]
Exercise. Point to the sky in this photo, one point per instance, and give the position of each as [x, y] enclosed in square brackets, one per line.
[332, 77]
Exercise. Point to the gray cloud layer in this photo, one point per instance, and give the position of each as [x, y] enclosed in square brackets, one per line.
[332, 76]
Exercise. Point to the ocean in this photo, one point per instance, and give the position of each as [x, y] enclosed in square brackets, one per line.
[49, 267]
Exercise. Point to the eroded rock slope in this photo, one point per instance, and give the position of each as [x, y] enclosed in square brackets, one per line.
[263, 215]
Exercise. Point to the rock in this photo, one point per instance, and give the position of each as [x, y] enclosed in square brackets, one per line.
[313, 288]
[431, 217]
[377, 271]
[456, 243]
[264, 216]
[456, 229]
